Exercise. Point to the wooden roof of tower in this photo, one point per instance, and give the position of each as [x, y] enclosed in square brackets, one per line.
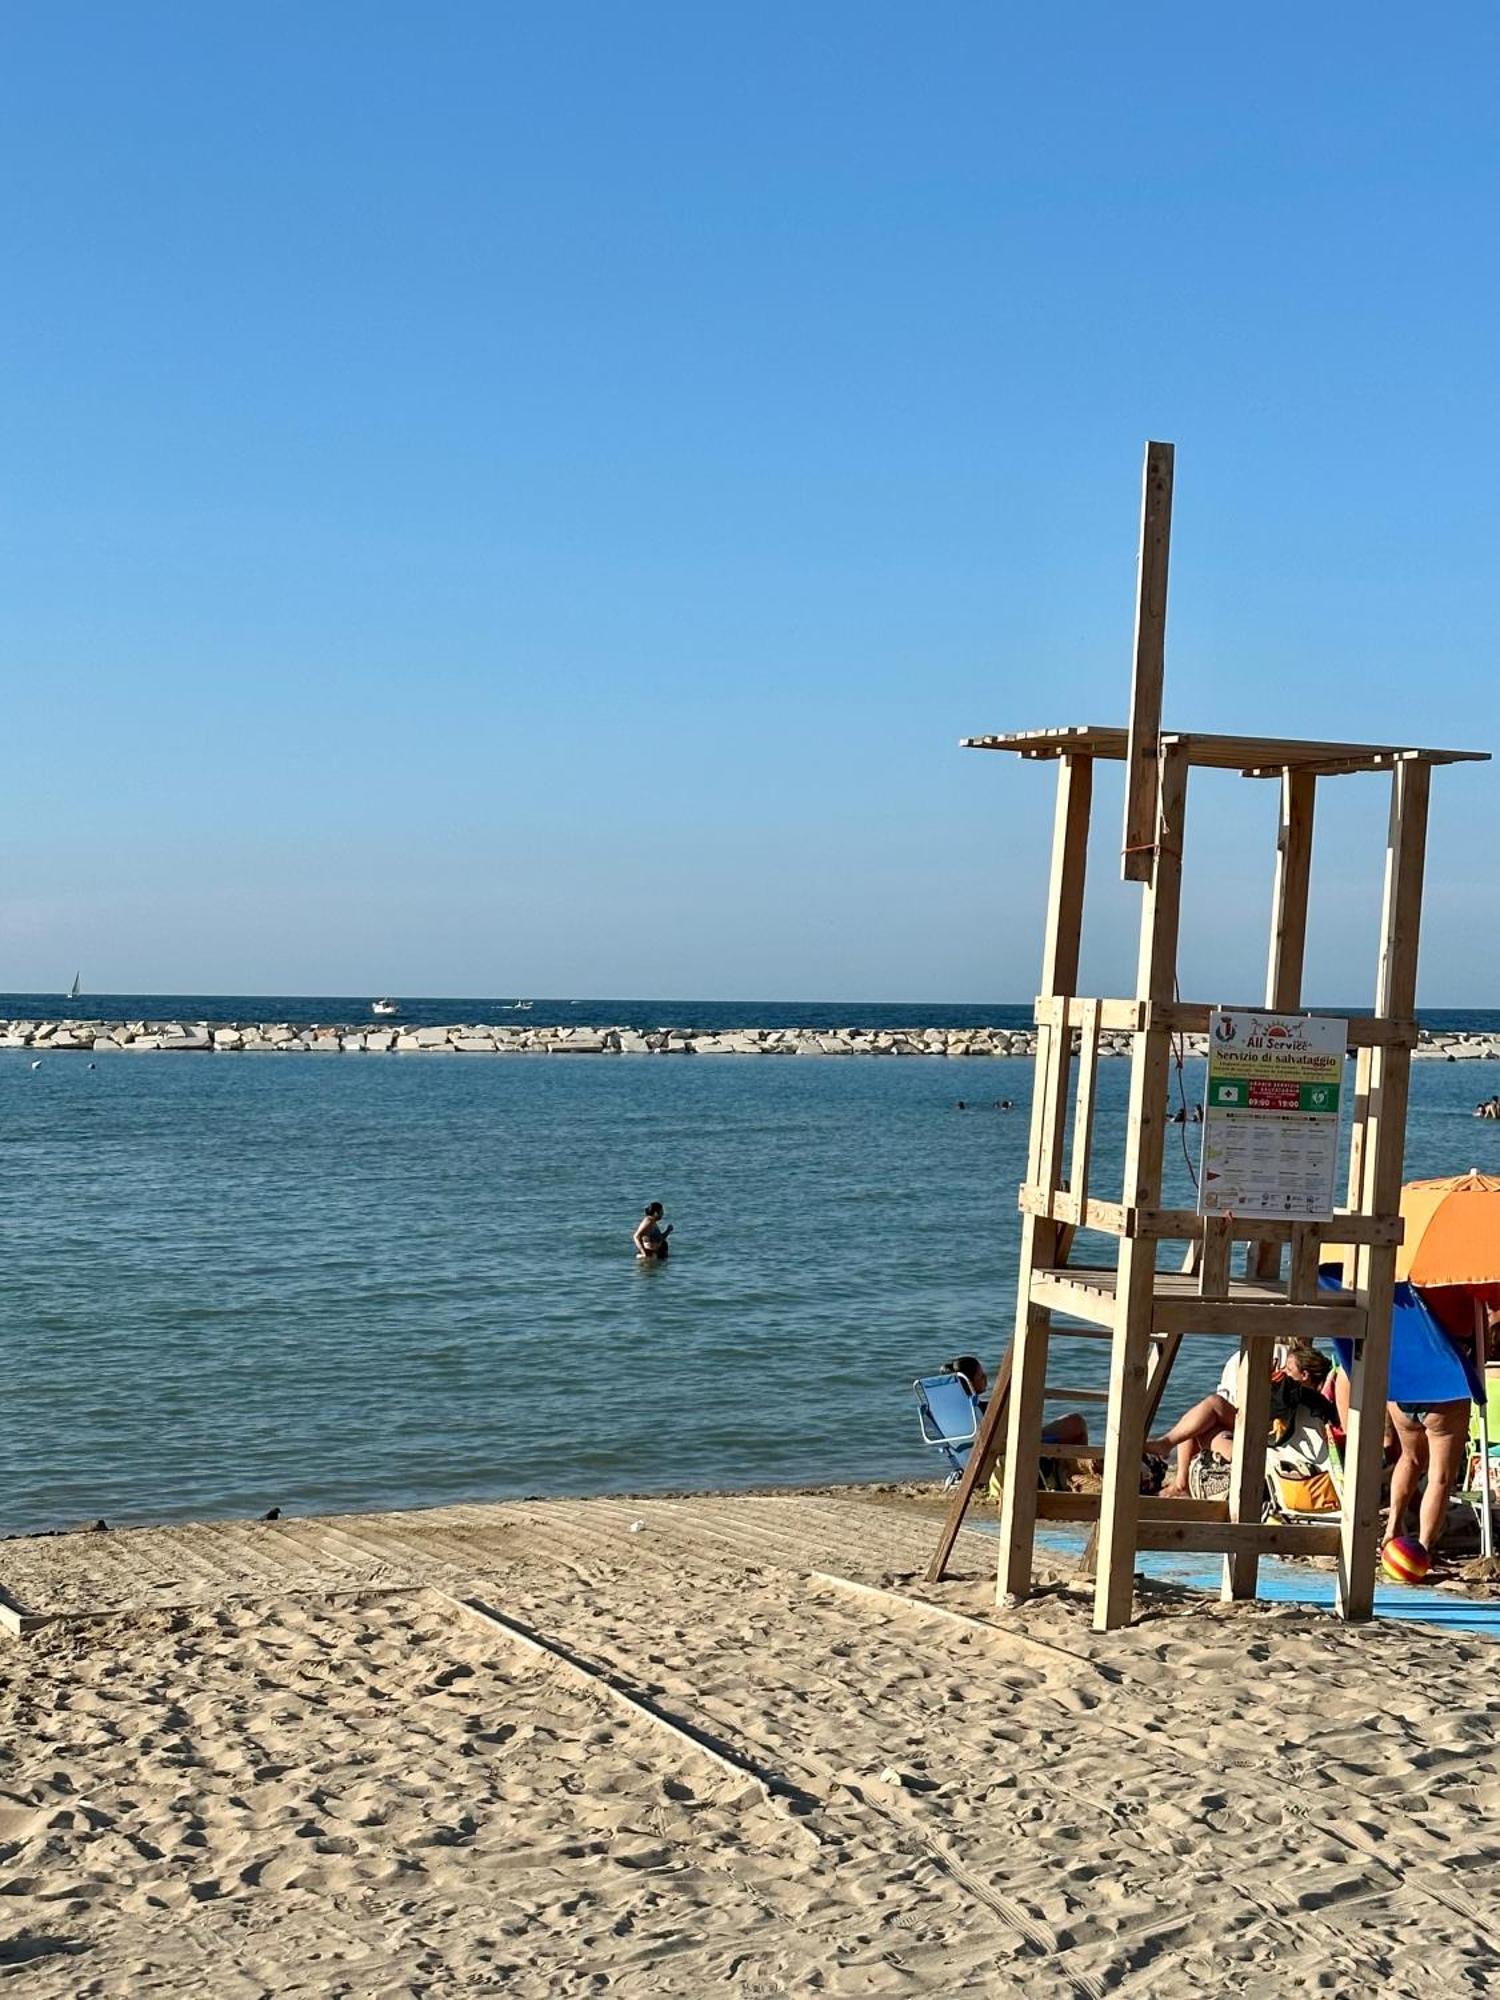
[1253, 756]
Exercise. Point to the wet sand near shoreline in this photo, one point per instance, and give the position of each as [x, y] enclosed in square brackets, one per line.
[650, 1746]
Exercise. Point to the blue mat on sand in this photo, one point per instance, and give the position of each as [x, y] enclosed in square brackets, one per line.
[1292, 1583]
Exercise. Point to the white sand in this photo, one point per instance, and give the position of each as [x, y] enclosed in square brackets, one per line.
[288, 1762]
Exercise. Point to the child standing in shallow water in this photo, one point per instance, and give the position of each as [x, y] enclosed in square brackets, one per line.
[650, 1237]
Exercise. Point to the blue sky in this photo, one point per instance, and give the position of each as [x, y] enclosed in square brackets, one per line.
[511, 499]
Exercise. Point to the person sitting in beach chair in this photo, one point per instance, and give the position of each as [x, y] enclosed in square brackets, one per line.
[948, 1415]
[1304, 1467]
[1068, 1429]
[951, 1403]
[1206, 1429]
[1203, 1437]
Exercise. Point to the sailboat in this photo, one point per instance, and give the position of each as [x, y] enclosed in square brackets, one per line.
[75, 989]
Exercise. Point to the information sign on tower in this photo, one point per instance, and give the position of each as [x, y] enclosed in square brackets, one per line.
[1271, 1114]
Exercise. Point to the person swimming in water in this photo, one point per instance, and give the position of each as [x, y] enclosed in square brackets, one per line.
[650, 1237]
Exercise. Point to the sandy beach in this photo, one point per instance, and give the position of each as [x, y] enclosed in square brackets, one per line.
[654, 1746]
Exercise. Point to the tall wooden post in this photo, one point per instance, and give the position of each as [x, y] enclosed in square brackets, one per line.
[1145, 1133]
[1378, 1161]
[1150, 664]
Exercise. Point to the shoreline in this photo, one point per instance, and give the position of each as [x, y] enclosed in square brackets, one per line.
[925, 1496]
[505, 1038]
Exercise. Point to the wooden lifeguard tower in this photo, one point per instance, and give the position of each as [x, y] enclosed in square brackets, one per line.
[1262, 1294]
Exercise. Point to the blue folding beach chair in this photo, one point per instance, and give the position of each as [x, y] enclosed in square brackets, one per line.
[948, 1412]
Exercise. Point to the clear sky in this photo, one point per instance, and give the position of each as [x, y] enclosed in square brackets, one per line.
[526, 499]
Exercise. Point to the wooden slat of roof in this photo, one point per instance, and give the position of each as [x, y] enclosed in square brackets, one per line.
[1256, 756]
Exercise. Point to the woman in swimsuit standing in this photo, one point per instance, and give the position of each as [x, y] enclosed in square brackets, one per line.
[1434, 1440]
[650, 1237]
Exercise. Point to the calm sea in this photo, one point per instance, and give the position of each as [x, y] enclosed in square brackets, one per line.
[233, 1282]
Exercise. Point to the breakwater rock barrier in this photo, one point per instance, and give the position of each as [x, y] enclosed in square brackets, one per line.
[482, 1038]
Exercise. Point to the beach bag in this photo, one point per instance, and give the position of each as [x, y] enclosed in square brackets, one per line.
[1304, 1489]
[1208, 1477]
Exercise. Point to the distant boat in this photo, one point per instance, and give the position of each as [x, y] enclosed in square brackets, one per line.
[75, 989]
[521, 1007]
[385, 1007]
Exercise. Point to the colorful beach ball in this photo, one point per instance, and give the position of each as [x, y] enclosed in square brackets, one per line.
[1405, 1560]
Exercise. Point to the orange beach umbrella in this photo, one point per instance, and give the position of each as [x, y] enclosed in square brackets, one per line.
[1452, 1235]
[1451, 1248]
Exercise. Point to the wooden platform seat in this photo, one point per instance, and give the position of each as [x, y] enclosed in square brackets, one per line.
[1255, 1307]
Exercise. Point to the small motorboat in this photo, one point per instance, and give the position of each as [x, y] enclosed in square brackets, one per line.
[521, 1007]
[384, 1007]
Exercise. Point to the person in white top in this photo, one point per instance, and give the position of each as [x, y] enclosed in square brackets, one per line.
[1207, 1426]
[1297, 1383]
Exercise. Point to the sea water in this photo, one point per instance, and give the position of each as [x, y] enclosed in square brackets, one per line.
[318, 1282]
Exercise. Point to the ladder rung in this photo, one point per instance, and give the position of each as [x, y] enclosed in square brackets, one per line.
[1077, 1395]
